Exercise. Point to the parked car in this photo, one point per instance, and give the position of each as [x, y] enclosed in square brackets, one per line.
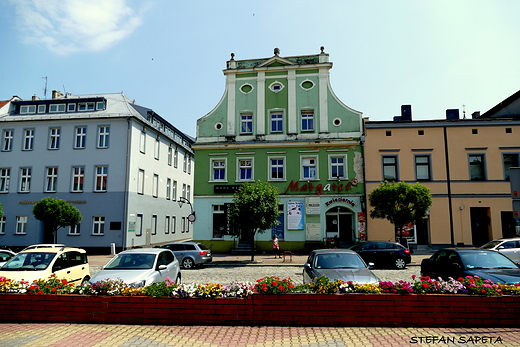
[190, 254]
[340, 264]
[509, 247]
[141, 267]
[5, 255]
[384, 254]
[458, 262]
[66, 263]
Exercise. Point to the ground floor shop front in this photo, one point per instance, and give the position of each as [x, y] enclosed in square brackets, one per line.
[304, 222]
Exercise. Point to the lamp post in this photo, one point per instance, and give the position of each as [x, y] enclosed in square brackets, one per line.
[183, 200]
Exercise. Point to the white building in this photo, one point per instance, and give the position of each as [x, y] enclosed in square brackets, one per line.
[122, 165]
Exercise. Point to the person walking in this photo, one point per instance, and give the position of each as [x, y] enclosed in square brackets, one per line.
[276, 247]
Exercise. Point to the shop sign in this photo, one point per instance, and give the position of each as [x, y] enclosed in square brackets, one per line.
[319, 188]
[333, 200]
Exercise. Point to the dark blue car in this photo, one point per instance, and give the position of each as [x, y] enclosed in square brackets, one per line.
[460, 262]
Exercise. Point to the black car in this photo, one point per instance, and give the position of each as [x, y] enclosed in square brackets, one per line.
[384, 254]
[458, 262]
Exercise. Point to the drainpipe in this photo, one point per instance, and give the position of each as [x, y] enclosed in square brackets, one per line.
[448, 181]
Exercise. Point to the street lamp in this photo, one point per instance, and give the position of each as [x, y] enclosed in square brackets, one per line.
[183, 200]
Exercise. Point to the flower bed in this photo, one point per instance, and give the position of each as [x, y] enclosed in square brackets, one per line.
[271, 301]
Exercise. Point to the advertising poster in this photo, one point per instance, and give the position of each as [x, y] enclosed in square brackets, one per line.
[295, 219]
[362, 233]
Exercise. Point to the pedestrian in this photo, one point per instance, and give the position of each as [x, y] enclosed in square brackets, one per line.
[276, 247]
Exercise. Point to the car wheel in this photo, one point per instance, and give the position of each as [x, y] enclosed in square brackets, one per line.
[400, 263]
[85, 280]
[188, 263]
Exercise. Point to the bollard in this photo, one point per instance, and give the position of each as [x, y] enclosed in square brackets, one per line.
[113, 248]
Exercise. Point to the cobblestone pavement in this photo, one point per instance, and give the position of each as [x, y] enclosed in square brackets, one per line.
[95, 335]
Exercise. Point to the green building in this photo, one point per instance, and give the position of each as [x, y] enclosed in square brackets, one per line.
[279, 121]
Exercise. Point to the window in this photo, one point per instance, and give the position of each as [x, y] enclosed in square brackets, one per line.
[154, 224]
[422, 168]
[103, 136]
[309, 168]
[390, 168]
[86, 106]
[8, 140]
[276, 168]
[307, 120]
[189, 164]
[140, 182]
[388, 133]
[510, 160]
[185, 163]
[81, 137]
[98, 225]
[71, 107]
[27, 109]
[142, 142]
[219, 221]
[156, 149]
[337, 166]
[41, 108]
[245, 169]
[25, 179]
[54, 138]
[168, 188]
[218, 167]
[474, 131]
[184, 191]
[21, 224]
[183, 224]
[57, 108]
[4, 180]
[174, 224]
[28, 140]
[155, 192]
[174, 191]
[101, 179]
[51, 179]
[139, 225]
[476, 167]
[276, 122]
[2, 225]
[74, 230]
[170, 155]
[188, 192]
[100, 105]
[167, 225]
[78, 175]
[176, 157]
[246, 123]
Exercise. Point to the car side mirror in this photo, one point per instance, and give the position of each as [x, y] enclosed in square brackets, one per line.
[307, 265]
[500, 248]
[161, 267]
[371, 266]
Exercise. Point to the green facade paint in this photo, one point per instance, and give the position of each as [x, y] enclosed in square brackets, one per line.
[275, 92]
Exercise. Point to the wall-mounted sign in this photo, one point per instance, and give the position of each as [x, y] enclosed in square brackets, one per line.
[295, 215]
[313, 232]
[312, 205]
[223, 189]
[333, 200]
[318, 189]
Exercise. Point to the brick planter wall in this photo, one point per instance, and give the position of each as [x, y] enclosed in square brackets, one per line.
[280, 310]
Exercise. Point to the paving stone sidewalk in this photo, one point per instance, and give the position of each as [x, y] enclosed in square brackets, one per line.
[86, 335]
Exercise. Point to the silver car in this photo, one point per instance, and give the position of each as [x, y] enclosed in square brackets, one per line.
[508, 247]
[190, 254]
[141, 267]
[343, 264]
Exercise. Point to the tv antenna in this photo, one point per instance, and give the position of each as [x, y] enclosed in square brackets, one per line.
[45, 88]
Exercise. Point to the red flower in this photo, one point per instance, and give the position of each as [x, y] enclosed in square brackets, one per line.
[280, 287]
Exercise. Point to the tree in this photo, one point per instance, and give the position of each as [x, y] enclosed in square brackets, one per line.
[254, 209]
[56, 213]
[1, 211]
[400, 203]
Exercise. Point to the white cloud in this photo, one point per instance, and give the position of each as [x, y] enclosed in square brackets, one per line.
[70, 26]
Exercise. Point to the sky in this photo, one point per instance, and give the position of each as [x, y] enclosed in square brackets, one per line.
[168, 55]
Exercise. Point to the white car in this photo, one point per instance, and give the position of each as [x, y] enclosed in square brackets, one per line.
[141, 267]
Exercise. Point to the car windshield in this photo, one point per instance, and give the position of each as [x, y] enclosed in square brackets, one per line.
[486, 260]
[490, 244]
[30, 261]
[338, 260]
[131, 262]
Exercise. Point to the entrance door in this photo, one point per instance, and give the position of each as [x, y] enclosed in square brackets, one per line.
[479, 225]
[339, 224]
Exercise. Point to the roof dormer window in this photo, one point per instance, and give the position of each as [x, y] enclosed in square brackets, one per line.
[27, 109]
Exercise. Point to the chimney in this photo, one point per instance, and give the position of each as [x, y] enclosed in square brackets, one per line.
[406, 112]
[35, 98]
[475, 114]
[452, 113]
[56, 94]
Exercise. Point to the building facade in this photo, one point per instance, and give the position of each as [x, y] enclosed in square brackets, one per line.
[280, 122]
[464, 162]
[122, 165]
